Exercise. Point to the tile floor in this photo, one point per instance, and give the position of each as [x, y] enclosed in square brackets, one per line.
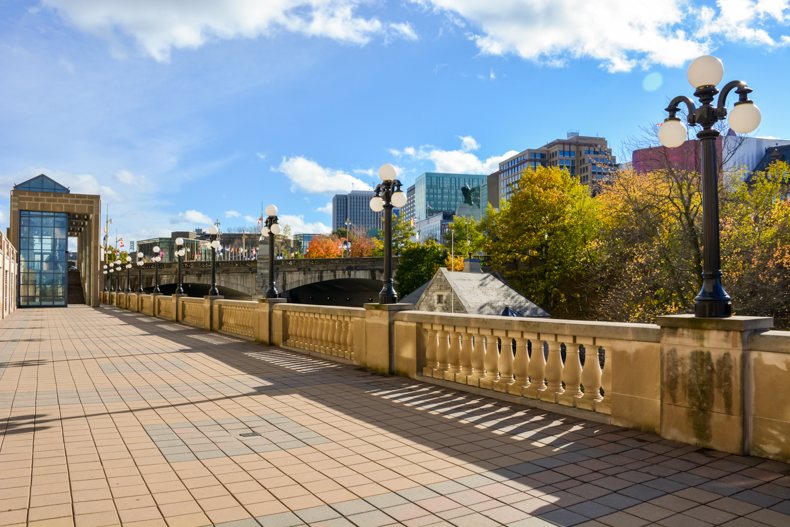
[108, 417]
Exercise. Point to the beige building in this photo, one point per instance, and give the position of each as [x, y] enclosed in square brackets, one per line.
[44, 214]
[8, 277]
[588, 158]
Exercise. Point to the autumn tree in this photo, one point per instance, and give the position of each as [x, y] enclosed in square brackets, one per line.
[544, 241]
[755, 243]
[323, 246]
[362, 246]
[402, 236]
[418, 263]
[652, 249]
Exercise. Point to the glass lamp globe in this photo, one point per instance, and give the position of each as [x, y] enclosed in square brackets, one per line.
[157, 249]
[265, 231]
[399, 199]
[376, 204]
[182, 252]
[128, 266]
[140, 263]
[276, 229]
[105, 272]
[105, 266]
[140, 255]
[271, 210]
[745, 117]
[179, 241]
[213, 230]
[387, 172]
[215, 244]
[112, 270]
[706, 70]
[672, 133]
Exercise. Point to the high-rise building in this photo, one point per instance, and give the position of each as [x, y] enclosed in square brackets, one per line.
[352, 211]
[587, 158]
[461, 194]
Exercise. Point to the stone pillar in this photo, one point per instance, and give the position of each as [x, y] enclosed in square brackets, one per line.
[212, 312]
[176, 314]
[380, 336]
[266, 322]
[704, 391]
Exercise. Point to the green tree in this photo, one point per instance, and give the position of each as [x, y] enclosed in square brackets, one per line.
[402, 236]
[418, 263]
[464, 236]
[544, 241]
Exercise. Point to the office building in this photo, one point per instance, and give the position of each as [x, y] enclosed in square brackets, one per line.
[587, 158]
[735, 153]
[352, 211]
[459, 194]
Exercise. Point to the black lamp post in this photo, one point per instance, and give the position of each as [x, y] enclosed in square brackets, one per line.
[704, 74]
[388, 195]
[271, 227]
[156, 260]
[180, 254]
[128, 274]
[140, 263]
[214, 233]
[106, 278]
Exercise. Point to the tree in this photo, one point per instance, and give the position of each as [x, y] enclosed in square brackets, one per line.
[324, 247]
[544, 241]
[464, 236]
[652, 248]
[362, 246]
[454, 263]
[755, 241]
[418, 263]
[402, 235]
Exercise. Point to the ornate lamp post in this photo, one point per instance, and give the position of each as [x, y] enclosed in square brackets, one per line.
[180, 252]
[703, 75]
[140, 263]
[156, 259]
[105, 271]
[271, 227]
[347, 248]
[388, 195]
[128, 274]
[214, 233]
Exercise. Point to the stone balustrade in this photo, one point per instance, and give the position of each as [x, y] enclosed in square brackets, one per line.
[709, 382]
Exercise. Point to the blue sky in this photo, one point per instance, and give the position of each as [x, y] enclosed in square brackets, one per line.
[186, 111]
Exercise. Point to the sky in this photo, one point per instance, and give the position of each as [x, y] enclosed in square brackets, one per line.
[184, 112]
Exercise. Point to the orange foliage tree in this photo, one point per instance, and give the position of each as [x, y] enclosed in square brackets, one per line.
[324, 247]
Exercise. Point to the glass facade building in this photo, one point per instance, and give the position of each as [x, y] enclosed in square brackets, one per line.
[43, 253]
[461, 194]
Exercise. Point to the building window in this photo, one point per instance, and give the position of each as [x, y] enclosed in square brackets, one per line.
[439, 299]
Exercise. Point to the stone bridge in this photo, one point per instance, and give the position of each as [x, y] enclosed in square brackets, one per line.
[249, 278]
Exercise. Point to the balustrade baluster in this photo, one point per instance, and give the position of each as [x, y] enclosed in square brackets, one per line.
[349, 351]
[478, 354]
[505, 364]
[431, 343]
[490, 360]
[571, 376]
[553, 372]
[604, 406]
[591, 378]
[323, 339]
[465, 357]
[441, 353]
[453, 355]
[316, 332]
[536, 369]
[520, 366]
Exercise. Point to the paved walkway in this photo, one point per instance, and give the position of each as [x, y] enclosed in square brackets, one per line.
[110, 417]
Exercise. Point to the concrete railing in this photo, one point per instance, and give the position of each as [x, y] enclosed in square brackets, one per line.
[600, 367]
[334, 331]
[717, 383]
[237, 317]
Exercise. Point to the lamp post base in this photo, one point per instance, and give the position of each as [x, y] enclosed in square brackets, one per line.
[387, 295]
[712, 308]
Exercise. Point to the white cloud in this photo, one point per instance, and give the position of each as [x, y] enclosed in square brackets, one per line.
[252, 220]
[133, 180]
[461, 161]
[326, 209]
[621, 34]
[159, 27]
[232, 214]
[195, 217]
[298, 225]
[308, 176]
[404, 30]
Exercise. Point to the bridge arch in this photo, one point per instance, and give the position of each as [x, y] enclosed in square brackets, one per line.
[347, 292]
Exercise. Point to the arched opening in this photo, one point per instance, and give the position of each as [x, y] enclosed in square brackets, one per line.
[347, 292]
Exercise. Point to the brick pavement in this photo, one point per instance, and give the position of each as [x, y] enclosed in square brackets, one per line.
[110, 417]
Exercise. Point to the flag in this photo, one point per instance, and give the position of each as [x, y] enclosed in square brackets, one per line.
[120, 242]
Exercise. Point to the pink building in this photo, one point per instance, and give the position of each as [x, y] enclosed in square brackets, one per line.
[684, 157]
